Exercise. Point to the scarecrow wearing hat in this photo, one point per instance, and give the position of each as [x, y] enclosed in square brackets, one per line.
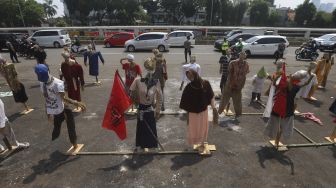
[132, 70]
[147, 93]
[93, 56]
[271, 89]
[56, 103]
[323, 68]
[192, 65]
[258, 81]
[160, 71]
[305, 75]
[281, 121]
[74, 78]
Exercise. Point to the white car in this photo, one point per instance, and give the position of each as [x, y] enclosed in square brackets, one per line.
[148, 41]
[52, 38]
[177, 38]
[264, 44]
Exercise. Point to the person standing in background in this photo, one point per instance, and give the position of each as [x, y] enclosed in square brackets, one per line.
[187, 49]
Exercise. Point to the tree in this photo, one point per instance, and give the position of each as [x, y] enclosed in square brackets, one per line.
[189, 8]
[32, 12]
[150, 6]
[334, 17]
[274, 19]
[237, 13]
[173, 8]
[259, 13]
[49, 8]
[322, 19]
[305, 13]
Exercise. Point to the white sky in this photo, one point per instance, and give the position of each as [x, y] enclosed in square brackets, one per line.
[294, 3]
[60, 11]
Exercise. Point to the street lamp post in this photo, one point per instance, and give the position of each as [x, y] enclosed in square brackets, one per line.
[23, 22]
[211, 12]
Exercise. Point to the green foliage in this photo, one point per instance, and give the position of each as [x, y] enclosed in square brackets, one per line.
[49, 8]
[273, 19]
[305, 13]
[334, 18]
[32, 12]
[322, 19]
[259, 13]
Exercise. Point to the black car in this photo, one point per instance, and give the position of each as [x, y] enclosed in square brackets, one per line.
[233, 39]
[4, 37]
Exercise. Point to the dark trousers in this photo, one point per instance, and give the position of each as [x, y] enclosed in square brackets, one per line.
[70, 121]
[186, 51]
[13, 55]
[254, 96]
[278, 56]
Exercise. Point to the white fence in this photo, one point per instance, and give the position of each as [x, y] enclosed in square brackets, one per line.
[200, 30]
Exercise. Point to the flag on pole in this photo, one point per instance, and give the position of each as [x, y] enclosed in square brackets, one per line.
[280, 103]
[119, 102]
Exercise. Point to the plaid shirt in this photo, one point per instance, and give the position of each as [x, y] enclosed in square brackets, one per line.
[224, 65]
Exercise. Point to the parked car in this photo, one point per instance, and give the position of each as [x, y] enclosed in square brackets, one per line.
[231, 33]
[264, 44]
[148, 41]
[118, 39]
[233, 39]
[4, 37]
[52, 38]
[177, 38]
[326, 42]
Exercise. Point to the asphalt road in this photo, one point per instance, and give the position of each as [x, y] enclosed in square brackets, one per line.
[243, 157]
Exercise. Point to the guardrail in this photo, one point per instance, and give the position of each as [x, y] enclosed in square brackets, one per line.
[103, 31]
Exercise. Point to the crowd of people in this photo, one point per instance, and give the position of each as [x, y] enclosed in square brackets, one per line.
[147, 92]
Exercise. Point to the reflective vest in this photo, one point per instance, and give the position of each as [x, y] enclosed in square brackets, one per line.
[225, 45]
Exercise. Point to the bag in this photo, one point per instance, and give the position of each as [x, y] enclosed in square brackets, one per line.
[332, 108]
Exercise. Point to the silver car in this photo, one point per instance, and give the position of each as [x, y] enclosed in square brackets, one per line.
[148, 41]
[326, 42]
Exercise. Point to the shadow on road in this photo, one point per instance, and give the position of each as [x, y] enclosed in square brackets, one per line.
[15, 116]
[270, 153]
[317, 104]
[48, 166]
[181, 161]
[136, 162]
[333, 149]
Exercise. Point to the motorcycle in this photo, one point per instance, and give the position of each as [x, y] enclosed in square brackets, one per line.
[297, 51]
[78, 50]
[307, 54]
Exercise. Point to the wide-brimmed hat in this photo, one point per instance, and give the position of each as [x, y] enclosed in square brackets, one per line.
[130, 57]
[312, 65]
[262, 73]
[155, 51]
[192, 59]
[66, 55]
[149, 64]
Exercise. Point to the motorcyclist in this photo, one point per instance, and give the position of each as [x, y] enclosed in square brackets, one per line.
[239, 45]
[76, 44]
[311, 47]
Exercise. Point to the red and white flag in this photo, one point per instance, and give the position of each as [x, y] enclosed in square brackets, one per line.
[119, 102]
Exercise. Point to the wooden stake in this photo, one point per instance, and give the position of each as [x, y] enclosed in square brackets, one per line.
[25, 112]
[281, 146]
[73, 151]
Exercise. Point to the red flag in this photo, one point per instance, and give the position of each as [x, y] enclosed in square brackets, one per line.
[280, 103]
[114, 118]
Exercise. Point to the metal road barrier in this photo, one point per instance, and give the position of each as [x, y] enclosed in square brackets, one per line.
[103, 31]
